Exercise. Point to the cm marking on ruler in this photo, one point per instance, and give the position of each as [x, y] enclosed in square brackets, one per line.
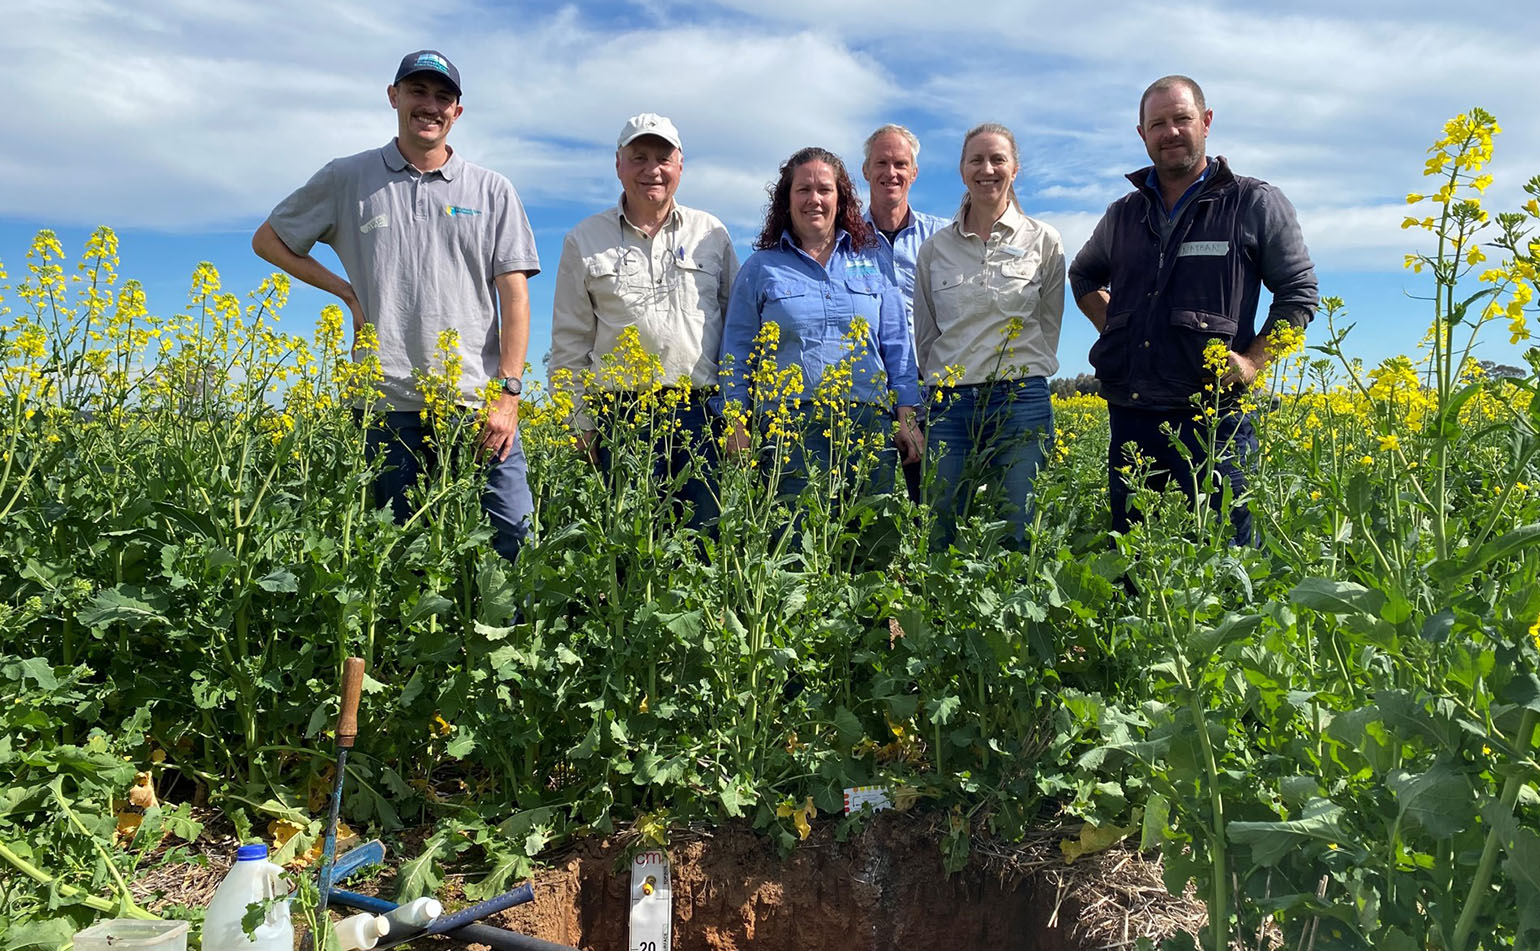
[651, 903]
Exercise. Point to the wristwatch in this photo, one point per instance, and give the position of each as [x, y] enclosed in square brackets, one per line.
[511, 385]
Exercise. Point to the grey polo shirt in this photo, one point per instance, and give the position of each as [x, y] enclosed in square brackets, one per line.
[421, 250]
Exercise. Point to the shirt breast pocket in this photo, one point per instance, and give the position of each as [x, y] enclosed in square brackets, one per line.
[699, 281]
[615, 278]
[1021, 284]
[865, 296]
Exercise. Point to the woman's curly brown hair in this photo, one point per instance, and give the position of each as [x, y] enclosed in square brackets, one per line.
[847, 214]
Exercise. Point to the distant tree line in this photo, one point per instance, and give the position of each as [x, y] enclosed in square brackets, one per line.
[1081, 384]
[1086, 384]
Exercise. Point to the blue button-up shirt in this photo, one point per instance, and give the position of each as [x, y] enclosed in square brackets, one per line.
[898, 256]
[1153, 181]
[814, 307]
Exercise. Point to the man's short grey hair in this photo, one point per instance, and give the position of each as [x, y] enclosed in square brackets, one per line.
[898, 130]
[1168, 83]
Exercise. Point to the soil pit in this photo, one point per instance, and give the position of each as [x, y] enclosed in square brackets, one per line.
[882, 889]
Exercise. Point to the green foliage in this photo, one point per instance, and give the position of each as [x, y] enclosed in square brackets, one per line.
[1332, 733]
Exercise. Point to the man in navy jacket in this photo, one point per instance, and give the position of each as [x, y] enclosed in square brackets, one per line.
[1171, 266]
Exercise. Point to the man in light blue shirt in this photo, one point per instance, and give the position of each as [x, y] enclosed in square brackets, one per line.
[891, 164]
[890, 167]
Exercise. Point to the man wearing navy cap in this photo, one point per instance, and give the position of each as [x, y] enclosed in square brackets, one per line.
[430, 243]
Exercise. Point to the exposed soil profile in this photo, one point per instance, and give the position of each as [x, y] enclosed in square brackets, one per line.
[882, 889]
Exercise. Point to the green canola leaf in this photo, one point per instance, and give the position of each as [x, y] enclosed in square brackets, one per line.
[1521, 846]
[280, 581]
[1271, 841]
[1440, 800]
[419, 876]
[507, 865]
[1522, 691]
[1453, 570]
[37, 668]
[943, 709]
[114, 605]
[1157, 819]
[1231, 628]
[849, 727]
[464, 741]
[1337, 597]
[45, 933]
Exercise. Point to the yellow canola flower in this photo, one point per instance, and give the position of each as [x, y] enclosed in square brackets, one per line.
[1389, 443]
[1216, 357]
[800, 816]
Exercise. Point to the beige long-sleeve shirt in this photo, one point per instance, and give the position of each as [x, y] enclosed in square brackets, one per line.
[672, 287]
[972, 291]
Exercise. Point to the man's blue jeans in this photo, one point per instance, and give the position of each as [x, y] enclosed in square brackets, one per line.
[991, 436]
[400, 436]
[684, 439]
[1234, 438]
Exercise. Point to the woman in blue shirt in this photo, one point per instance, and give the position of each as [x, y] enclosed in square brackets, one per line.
[835, 318]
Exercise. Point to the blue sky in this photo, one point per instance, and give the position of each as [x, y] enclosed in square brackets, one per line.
[180, 123]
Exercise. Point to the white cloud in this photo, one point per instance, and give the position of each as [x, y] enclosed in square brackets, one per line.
[188, 117]
[185, 115]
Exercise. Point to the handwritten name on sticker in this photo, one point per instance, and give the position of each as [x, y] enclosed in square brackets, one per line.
[378, 221]
[1206, 249]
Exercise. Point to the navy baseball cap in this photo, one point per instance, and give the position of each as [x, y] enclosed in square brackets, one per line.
[428, 61]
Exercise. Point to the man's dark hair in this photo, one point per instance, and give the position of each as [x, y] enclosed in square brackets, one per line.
[1165, 83]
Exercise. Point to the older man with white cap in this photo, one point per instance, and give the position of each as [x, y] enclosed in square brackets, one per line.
[651, 264]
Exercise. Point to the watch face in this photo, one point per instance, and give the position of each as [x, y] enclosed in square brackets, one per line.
[513, 385]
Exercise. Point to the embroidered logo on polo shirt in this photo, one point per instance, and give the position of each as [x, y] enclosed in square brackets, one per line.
[378, 221]
[453, 210]
[1206, 249]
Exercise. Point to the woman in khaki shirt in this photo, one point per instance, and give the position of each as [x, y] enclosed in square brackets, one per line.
[988, 304]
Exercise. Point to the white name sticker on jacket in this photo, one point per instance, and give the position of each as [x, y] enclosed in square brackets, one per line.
[1205, 249]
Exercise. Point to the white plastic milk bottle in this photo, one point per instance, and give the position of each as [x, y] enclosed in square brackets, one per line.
[251, 879]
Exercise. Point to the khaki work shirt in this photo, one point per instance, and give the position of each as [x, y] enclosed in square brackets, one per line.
[672, 287]
[969, 288]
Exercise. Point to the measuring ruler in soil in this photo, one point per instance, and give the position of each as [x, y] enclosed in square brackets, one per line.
[652, 905]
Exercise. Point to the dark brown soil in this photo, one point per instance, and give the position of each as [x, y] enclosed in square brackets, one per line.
[882, 889]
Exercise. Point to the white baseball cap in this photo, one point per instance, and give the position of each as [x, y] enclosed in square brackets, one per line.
[649, 123]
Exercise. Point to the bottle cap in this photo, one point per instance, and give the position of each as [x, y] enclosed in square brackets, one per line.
[251, 853]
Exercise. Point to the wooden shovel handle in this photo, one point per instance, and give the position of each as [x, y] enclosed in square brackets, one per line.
[352, 685]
